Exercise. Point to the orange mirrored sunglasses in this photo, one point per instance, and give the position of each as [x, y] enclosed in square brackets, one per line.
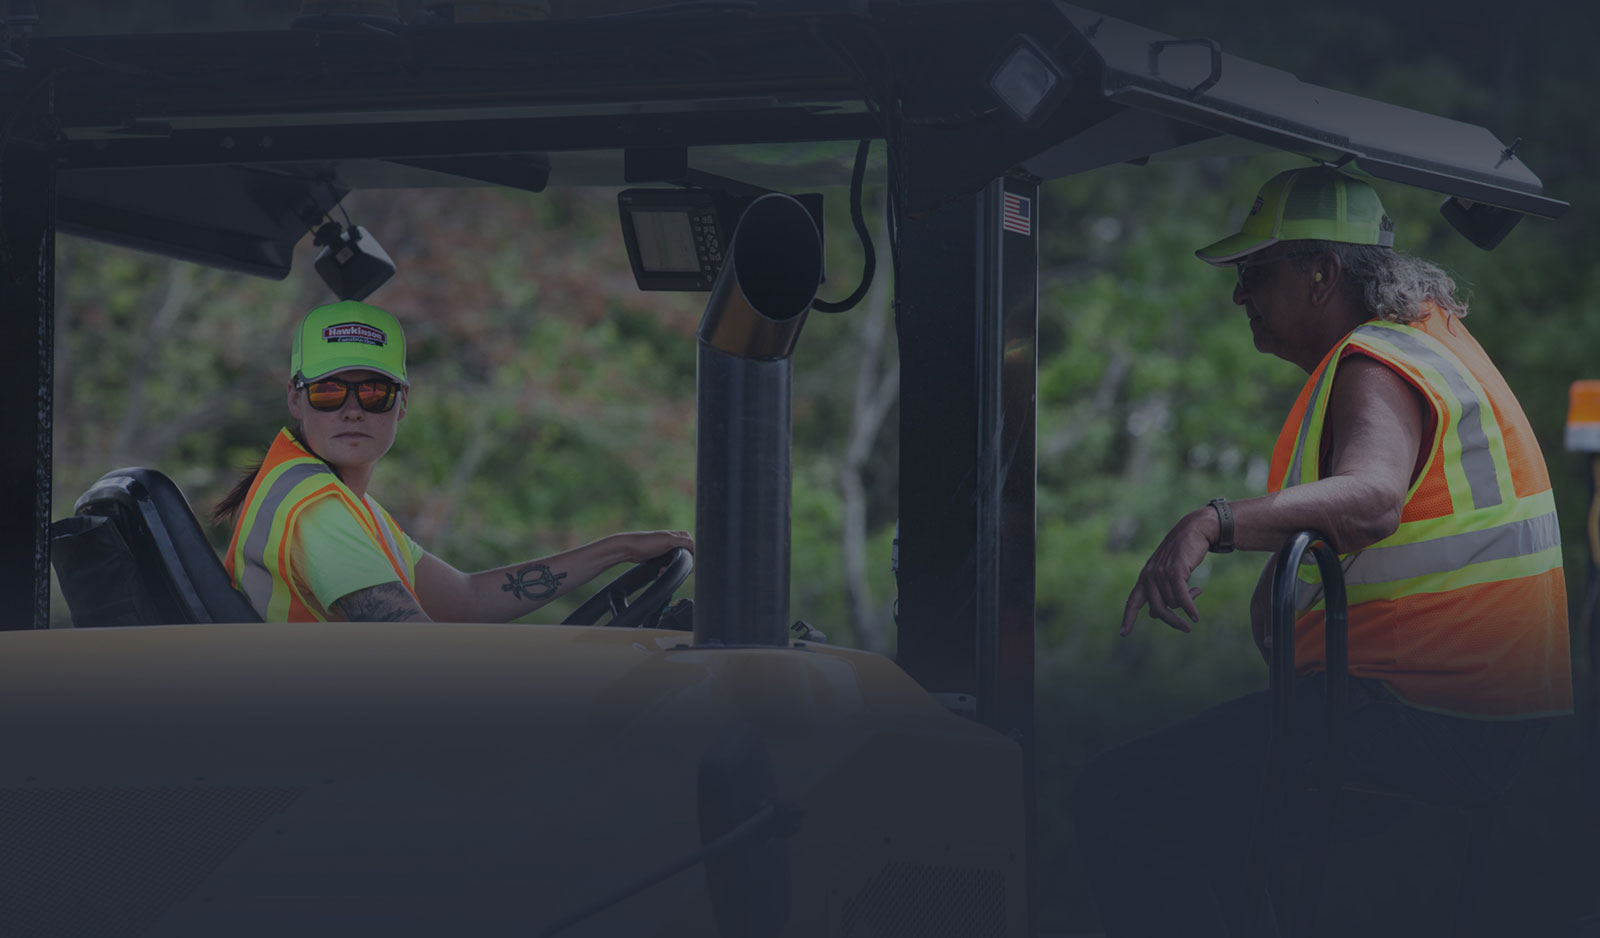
[375, 395]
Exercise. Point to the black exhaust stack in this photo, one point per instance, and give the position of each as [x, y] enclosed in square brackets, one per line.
[745, 409]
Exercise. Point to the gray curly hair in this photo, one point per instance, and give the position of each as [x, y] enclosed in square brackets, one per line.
[1388, 284]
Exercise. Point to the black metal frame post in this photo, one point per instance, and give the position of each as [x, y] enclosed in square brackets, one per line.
[1007, 372]
[27, 350]
[967, 319]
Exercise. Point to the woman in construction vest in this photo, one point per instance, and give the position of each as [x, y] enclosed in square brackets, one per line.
[311, 543]
[1407, 450]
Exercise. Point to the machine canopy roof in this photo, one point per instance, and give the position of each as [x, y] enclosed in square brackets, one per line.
[226, 148]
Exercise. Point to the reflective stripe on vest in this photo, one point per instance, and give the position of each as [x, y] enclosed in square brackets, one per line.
[1463, 612]
[1438, 564]
[290, 481]
[395, 547]
[1469, 453]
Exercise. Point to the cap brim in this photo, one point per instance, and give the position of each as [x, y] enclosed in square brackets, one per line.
[355, 366]
[1233, 247]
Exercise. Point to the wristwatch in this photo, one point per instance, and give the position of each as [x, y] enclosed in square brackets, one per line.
[1224, 544]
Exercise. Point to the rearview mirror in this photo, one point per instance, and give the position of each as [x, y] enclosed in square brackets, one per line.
[1483, 224]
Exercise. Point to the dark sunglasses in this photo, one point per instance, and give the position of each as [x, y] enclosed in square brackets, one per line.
[1250, 275]
[375, 395]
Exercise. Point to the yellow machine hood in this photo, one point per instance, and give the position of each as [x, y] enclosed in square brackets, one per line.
[422, 778]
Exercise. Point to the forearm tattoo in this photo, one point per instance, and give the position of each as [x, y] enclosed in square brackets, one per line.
[386, 602]
[534, 582]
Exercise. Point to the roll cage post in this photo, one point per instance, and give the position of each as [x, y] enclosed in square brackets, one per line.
[27, 350]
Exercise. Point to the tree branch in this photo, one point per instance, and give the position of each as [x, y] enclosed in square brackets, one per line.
[875, 394]
[180, 281]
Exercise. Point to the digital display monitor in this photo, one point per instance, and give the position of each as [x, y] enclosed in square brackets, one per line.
[666, 241]
[676, 237]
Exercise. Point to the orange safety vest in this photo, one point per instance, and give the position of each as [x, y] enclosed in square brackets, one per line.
[258, 559]
[1463, 609]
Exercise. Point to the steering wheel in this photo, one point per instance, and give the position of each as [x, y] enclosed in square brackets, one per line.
[658, 577]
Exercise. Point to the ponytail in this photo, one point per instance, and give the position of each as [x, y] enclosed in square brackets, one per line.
[226, 513]
[228, 508]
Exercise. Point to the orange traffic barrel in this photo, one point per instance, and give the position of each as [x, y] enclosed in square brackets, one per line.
[1583, 417]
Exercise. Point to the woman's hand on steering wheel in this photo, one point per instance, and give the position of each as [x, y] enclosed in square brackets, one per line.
[658, 577]
[640, 546]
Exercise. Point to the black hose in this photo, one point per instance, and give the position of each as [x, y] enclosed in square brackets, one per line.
[771, 820]
[870, 264]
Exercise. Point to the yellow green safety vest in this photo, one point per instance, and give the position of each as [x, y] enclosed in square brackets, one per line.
[259, 558]
[1463, 608]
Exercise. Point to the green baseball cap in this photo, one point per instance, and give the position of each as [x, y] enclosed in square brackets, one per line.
[1316, 203]
[346, 336]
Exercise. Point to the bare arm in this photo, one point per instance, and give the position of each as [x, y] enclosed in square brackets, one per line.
[504, 593]
[386, 602]
[1374, 424]
[1375, 421]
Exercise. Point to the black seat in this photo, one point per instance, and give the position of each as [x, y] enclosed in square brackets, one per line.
[134, 554]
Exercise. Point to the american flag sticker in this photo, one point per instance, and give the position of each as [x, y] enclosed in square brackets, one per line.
[1016, 214]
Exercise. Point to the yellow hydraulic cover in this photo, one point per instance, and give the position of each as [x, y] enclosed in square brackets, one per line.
[427, 779]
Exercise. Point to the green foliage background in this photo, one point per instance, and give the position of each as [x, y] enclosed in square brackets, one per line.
[554, 402]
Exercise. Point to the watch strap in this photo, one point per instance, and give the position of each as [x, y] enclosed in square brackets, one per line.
[1224, 543]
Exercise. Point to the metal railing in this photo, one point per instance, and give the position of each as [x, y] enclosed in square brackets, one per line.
[1272, 804]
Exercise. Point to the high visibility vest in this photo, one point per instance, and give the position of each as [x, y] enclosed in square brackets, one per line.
[1463, 609]
[259, 558]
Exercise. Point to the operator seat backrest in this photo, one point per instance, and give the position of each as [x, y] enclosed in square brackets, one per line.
[179, 577]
